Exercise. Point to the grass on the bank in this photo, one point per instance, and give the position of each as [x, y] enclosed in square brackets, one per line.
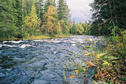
[44, 37]
[38, 37]
[61, 36]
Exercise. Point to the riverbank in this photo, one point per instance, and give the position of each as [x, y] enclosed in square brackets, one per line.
[38, 37]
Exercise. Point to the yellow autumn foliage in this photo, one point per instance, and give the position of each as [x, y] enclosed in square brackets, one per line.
[76, 71]
[88, 53]
[32, 21]
[51, 24]
[99, 55]
[89, 39]
[106, 63]
[57, 29]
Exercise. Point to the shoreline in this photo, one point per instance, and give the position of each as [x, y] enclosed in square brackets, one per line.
[39, 37]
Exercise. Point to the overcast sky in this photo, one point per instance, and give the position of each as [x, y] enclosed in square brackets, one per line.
[80, 9]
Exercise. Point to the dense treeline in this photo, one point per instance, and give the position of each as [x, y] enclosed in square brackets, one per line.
[11, 20]
[21, 18]
[109, 19]
[80, 28]
[106, 15]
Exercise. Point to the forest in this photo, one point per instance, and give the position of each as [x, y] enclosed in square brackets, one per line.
[38, 19]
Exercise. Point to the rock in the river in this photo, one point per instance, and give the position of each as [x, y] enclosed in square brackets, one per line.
[25, 45]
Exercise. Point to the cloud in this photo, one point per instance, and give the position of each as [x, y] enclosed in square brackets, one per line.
[80, 9]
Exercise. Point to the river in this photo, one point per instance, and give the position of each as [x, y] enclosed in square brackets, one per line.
[40, 61]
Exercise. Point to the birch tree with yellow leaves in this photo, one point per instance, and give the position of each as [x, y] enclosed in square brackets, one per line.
[32, 21]
[51, 24]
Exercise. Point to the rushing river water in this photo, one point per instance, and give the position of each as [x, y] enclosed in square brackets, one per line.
[40, 61]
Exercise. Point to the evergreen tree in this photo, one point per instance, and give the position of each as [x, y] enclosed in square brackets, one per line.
[26, 6]
[40, 8]
[86, 27]
[11, 18]
[107, 14]
[63, 10]
[77, 29]
[19, 13]
[63, 13]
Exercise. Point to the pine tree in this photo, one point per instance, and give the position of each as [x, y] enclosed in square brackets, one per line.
[86, 27]
[63, 13]
[63, 10]
[40, 8]
[11, 18]
[77, 29]
[26, 6]
[107, 14]
[32, 21]
[19, 12]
